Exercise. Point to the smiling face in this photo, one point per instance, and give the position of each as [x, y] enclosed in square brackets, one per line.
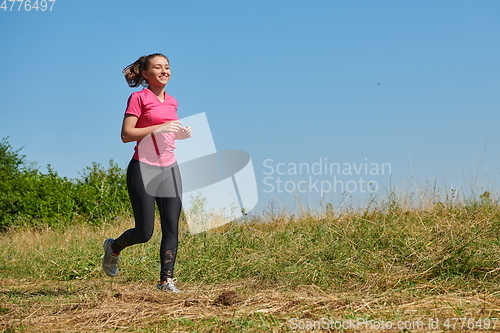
[158, 72]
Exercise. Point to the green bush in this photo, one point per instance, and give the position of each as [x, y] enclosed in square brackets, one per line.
[11, 167]
[101, 194]
[30, 197]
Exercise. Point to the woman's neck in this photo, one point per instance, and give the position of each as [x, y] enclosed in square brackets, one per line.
[157, 90]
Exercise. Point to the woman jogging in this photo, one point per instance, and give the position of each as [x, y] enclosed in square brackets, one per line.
[152, 174]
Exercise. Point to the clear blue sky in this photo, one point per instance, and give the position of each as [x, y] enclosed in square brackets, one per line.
[411, 83]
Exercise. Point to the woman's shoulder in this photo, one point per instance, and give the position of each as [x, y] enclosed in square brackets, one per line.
[139, 93]
[135, 103]
[137, 97]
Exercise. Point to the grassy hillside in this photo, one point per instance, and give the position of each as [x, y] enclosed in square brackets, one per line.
[404, 267]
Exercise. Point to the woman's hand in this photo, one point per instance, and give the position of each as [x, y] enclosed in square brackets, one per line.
[183, 133]
[132, 133]
[169, 126]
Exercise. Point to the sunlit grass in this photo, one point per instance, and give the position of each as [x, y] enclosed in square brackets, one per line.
[375, 249]
[388, 254]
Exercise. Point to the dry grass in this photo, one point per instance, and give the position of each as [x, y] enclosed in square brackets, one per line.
[104, 306]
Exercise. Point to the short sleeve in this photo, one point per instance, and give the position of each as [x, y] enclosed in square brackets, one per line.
[134, 105]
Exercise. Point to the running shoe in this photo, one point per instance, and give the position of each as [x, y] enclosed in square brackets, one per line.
[169, 285]
[109, 260]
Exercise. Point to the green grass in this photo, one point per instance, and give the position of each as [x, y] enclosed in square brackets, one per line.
[390, 255]
[386, 249]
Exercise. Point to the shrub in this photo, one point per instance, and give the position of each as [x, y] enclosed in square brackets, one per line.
[30, 197]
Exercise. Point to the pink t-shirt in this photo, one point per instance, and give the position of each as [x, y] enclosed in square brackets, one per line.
[157, 149]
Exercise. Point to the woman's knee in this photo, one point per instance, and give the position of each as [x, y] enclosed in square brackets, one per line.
[143, 236]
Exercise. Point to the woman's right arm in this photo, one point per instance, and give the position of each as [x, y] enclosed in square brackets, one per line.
[131, 133]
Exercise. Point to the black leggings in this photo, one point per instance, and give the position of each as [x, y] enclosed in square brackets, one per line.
[166, 182]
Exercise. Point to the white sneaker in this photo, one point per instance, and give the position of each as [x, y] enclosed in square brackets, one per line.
[109, 260]
[169, 285]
